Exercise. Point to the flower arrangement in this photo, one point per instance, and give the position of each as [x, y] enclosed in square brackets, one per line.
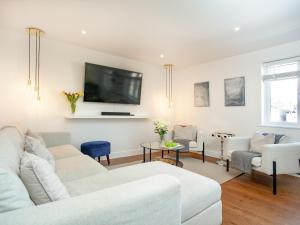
[72, 98]
[161, 129]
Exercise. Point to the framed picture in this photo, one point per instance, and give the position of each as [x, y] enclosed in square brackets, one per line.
[201, 94]
[234, 89]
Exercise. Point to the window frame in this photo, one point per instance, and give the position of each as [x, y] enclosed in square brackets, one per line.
[266, 101]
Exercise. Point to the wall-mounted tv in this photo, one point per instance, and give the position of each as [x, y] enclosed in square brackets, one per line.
[112, 85]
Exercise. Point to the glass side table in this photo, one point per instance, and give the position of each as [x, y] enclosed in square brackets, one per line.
[155, 145]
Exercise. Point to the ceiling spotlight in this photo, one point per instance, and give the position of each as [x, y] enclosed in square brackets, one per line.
[83, 32]
[162, 56]
[237, 28]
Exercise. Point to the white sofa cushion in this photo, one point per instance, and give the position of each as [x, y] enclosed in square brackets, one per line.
[35, 146]
[193, 144]
[284, 139]
[256, 161]
[258, 140]
[13, 194]
[77, 167]
[40, 180]
[197, 192]
[36, 136]
[11, 149]
[64, 151]
[184, 132]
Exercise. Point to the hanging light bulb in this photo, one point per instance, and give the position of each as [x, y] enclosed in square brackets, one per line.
[169, 84]
[37, 32]
[36, 61]
[38, 66]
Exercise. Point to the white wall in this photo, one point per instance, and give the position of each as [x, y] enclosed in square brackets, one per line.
[62, 68]
[239, 120]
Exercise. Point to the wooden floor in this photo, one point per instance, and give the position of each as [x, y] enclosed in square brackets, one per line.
[248, 200]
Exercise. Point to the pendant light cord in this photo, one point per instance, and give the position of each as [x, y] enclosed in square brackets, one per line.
[36, 61]
[29, 57]
[39, 59]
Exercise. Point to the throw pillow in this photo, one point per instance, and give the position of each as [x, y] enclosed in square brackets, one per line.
[13, 194]
[34, 146]
[260, 139]
[280, 138]
[183, 133]
[283, 140]
[36, 136]
[40, 180]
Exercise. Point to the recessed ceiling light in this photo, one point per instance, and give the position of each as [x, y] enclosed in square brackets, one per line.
[162, 56]
[237, 28]
[83, 32]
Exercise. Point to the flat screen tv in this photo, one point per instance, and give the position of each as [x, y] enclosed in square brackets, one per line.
[111, 85]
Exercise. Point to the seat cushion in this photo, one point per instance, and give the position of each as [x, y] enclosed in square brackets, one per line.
[193, 144]
[256, 161]
[64, 151]
[198, 192]
[77, 167]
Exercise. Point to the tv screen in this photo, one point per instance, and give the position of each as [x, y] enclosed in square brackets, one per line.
[111, 85]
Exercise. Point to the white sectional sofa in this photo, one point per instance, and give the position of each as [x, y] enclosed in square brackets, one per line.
[151, 193]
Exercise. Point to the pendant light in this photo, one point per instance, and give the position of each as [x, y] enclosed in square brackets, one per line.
[169, 83]
[36, 33]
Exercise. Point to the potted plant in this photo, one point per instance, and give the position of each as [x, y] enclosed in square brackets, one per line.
[72, 98]
[161, 129]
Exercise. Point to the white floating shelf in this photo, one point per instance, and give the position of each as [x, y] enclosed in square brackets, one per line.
[75, 116]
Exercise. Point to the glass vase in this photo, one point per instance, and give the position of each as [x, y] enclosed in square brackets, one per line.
[73, 107]
[162, 139]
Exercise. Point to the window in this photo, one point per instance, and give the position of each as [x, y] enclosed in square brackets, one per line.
[281, 92]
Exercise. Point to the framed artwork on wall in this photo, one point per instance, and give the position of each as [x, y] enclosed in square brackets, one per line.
[234, 90]
[201, 94]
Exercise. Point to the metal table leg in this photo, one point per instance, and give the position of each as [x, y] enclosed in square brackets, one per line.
[144, 155]
[177, 157]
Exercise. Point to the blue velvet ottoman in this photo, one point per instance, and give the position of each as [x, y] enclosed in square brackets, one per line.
[96, 149]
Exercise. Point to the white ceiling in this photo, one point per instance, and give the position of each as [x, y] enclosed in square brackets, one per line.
[186, 31]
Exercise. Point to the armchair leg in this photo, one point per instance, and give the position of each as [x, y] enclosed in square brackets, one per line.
[227, 165]
[299, 166]
[274, 178]
[203, 153]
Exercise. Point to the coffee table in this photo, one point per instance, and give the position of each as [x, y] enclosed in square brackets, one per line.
[155, 145]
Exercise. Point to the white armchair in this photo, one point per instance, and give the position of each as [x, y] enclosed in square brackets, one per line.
[191, 133]
[276, 158]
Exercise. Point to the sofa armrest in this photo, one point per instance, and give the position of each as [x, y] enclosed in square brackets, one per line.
[286, 157]
[56, 138]
[236, 144]
[150, 201]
